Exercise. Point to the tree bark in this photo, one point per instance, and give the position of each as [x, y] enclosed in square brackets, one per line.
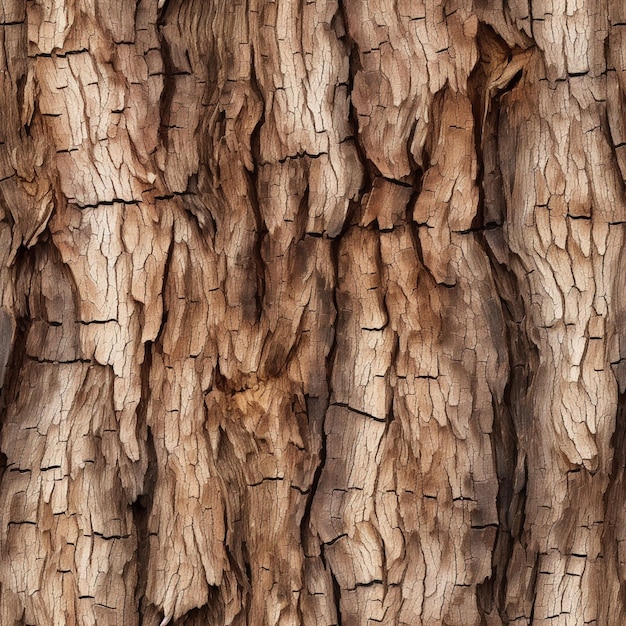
[312, 312]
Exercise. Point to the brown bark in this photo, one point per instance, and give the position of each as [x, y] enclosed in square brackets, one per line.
[312, 312]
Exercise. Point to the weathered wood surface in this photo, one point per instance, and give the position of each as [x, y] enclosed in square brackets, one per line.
[312, 312]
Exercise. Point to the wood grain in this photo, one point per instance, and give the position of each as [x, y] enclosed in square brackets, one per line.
[312, 312]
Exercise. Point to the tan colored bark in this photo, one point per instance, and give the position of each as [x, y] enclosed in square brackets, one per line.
[312, 312]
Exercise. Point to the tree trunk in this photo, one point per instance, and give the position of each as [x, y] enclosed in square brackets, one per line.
[312, 312]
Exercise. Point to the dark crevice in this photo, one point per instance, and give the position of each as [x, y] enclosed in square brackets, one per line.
[109, 537]
[369, 583]
[175, 194]
[165, 294]
[3, 464]
[299, 155]
[59, 55]
[335, 248]
[105, 203]
[253, 196]
[336, 597]
[16, 359]
[255, 136]
[509, 418]
[169, 83]
[57, 361]
[485, 116]
[508, 311]
[266, 479]
[354, 66]
[411, 224]
[358, 412]
[336, 539]
[24, 262]
[533, 586]
[246, 563]
[614, 497]
[316, 412]
[142, 506]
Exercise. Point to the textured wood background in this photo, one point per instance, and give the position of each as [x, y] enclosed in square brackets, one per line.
[312, 312]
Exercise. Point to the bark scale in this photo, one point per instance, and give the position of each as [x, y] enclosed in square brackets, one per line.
[312, 312]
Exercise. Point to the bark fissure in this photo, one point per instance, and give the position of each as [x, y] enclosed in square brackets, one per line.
[312, 312]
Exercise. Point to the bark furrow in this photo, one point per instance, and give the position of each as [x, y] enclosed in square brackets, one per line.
[312, 312]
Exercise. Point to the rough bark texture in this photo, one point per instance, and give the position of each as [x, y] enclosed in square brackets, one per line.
[312, 312]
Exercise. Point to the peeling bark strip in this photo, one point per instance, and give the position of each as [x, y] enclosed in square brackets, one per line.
[312, 312]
